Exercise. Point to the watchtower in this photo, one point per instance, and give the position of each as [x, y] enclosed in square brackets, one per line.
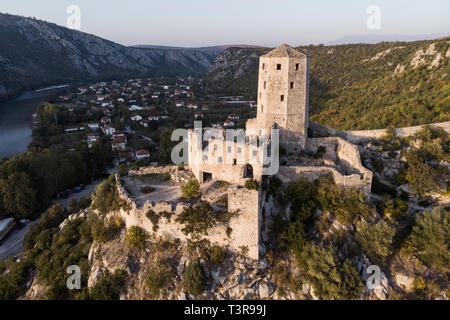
[283, 88]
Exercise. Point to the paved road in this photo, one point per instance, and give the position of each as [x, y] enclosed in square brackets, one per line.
[12, 244]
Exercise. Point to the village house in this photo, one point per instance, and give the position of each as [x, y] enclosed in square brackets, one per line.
[93, 126]
[108, 130]
[233, 117]
[192, 106]
[136, 117]
[142, 154]
[179, 104]
[125, 156]
[228, 123]
[119, 144]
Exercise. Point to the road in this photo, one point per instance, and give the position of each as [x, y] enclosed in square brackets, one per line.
[12, 244]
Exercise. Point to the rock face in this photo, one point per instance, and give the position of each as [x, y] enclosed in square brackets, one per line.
[32, 50]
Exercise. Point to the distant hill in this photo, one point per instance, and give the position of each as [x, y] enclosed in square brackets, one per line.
[376, 38]
[358, 86]
[36, 53]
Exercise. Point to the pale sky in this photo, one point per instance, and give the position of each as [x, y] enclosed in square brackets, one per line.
[258, 22]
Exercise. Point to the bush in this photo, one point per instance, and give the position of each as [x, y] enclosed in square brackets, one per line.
[109, 286]
[13, 278]
[345, 203]
[194, 281]
[252, 184]
[106, 197]
[376, 240]
[191, 189]
[197, 220]
[430, 239]
[295, 236]
[136, 237]
[158, 277]
[218, 254]
[303, 199]
[330, 278]
[153, 217]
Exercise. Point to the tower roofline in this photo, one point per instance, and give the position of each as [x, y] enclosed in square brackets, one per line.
[284, 51]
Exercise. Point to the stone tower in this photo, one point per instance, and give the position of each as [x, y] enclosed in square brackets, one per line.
[283, 94]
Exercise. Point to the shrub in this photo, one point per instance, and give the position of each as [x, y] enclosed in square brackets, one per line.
[123, 169]
[109, 286]
[295, 236]
[194, 281]
[218, 254]
[252, 184]
[320, 152]
[191, 189]
[430, 238]
[376, 240]
[197, 220]
[106, 197]
[153, 217]
[158, 277]
[330, 278]
[13, 281]
[419, 284]
[303, 198]
[345, 203]
[136, 237]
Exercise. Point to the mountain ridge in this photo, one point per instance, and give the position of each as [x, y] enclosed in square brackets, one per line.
[36, 53]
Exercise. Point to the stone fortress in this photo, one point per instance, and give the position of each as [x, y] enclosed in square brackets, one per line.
[234, 156]
[283, 90]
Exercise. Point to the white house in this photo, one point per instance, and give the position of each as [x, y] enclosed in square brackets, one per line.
[93, 126]
[136, 117]
[108, 130]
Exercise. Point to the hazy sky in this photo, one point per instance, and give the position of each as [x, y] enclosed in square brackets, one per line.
[260, 22]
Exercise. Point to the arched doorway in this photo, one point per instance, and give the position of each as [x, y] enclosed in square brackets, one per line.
[247, 172]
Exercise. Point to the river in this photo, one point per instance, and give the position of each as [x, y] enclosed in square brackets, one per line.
[16, 119]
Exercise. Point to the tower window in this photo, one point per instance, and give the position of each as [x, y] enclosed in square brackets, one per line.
[292, 85]
[264, 84]
[263, 66]
[282, 98]
[262, 108]
[278, 66]
[297, 66]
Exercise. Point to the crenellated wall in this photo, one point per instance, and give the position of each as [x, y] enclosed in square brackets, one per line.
[245, 224]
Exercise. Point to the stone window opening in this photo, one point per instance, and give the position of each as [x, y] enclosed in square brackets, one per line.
[278, 66]
[297, 66]
[265, 82]
[229, 149]
[263, 66]
[292, 85]
[282, 98]
[262, 108]
[239, 150]
[219, 160]
[247, 172]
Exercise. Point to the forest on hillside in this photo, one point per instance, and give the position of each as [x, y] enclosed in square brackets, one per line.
[359, 86]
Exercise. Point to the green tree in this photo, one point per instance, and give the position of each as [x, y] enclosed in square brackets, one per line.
[430, 238]
[194, 280]
[376, 239]
[330, 278]
[191, 189]
[136, 237]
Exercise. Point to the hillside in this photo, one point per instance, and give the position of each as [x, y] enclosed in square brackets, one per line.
[36, 53]
[359, 86]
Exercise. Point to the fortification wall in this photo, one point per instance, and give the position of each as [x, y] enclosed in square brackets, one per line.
[152, 170]
[367, 135]
[245, 224]
[291, 173]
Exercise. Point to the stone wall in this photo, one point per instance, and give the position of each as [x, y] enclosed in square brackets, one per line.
[347, 159]
[367, 135]
[245, 225]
